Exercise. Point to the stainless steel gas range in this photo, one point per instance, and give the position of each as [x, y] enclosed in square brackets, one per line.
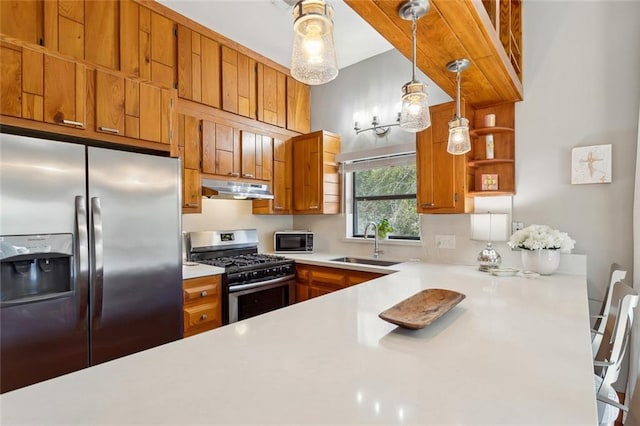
[254, 283]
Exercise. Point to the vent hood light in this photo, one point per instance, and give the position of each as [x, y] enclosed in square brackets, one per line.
[236, 190]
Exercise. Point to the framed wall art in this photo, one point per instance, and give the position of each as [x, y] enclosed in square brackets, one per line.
[591, 164]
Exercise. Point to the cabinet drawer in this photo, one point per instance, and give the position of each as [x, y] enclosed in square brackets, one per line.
[203, 293]
[201, 315]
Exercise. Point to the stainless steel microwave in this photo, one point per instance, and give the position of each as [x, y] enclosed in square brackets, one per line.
[293, 241]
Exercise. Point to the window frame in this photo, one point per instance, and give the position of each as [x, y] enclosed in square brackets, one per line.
[354, 210]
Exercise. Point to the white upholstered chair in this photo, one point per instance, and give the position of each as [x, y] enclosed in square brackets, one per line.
[616, 274]
[615, 340]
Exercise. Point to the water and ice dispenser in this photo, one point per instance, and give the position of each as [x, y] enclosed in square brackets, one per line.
[35, 267]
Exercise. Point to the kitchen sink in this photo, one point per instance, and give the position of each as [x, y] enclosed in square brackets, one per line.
[361, 261]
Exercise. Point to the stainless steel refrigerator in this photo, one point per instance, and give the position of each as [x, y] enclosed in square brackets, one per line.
[90, 256]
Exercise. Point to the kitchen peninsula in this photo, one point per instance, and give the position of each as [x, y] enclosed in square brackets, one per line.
[514, 351]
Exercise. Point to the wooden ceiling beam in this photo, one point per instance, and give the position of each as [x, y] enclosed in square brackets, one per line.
[452, 29]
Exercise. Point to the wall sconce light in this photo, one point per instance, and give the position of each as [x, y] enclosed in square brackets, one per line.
[414, 115]
[313, 57]
[459, 140]
[379, 129]
[489, 227]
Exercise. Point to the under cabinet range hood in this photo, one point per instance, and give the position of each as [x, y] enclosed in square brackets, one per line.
[213, 188]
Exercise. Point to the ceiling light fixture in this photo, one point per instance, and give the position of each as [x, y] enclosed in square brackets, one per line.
[414, 115]
[459, 140]
[313, 58]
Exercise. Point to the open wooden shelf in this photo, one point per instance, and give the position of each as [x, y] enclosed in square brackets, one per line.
[479, 163]
[502, 166]
[483, 131]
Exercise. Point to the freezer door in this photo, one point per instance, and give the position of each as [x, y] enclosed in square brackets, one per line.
[136, 272]
[42, 184]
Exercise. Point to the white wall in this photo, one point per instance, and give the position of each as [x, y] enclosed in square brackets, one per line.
[581, 87]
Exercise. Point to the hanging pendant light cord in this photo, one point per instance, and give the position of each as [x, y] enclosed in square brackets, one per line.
[413, 34]
[458, 94]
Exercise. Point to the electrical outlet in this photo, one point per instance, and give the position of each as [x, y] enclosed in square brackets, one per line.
[445, 241]
[516, 226]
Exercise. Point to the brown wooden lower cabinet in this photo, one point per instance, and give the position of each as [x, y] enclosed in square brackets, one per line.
[313, 281]
[202, 309]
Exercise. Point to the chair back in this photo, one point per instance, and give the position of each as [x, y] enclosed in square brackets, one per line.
[616, 274]
[617, 331]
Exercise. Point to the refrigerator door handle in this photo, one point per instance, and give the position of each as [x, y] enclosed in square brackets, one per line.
[97, 260]
[82, 258]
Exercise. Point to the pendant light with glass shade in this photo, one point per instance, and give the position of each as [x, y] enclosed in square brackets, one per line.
[414, 115]
[313, 57]
[459, 140]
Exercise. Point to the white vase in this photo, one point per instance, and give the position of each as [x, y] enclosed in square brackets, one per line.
[543, 261]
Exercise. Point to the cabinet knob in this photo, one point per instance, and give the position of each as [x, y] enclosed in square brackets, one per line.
[247, 175]
[204, 317]
[427, 205]
[204, 294]
[234, 174]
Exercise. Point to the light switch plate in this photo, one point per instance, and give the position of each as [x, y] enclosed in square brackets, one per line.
[446, 241]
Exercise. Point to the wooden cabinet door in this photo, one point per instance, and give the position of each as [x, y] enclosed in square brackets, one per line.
[147, 44]
[238, 83]
[220, 149]
[23, 19]
[249, 150]
[110, 103]
[189, 142]
[307, 173]
[101, 33]
[43, 87]
[64, 91]
[282, 176]
[257, 156]
[156, 113]
[84, 30]
[11, 69]
[298, 106]
[272, 96]
[198, 67]
[264, 158]
[440, 186]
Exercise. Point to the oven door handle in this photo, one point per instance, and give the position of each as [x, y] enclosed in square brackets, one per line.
[241, 287]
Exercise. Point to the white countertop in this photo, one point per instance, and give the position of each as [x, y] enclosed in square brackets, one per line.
[515, 351]
[196, 270]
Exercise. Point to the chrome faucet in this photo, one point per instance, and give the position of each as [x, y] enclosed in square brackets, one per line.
[376, 251]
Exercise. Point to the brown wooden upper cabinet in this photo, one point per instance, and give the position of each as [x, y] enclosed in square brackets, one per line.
[198, 67]
[238, 83]
[132, 108]
[298, 106]
[189, 137]
[257, 156]
[441, 176]
[272, 96]
[40, 86]
[316, 181]
[220, 149]
[23, 20]
[282, 181]
[147, 44]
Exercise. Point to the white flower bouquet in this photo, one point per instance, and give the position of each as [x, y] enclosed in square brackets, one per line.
[536, 237]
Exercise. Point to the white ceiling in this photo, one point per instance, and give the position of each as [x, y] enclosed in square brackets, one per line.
[266, 26]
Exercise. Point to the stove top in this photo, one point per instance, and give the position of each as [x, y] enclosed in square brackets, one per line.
[243, 262]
